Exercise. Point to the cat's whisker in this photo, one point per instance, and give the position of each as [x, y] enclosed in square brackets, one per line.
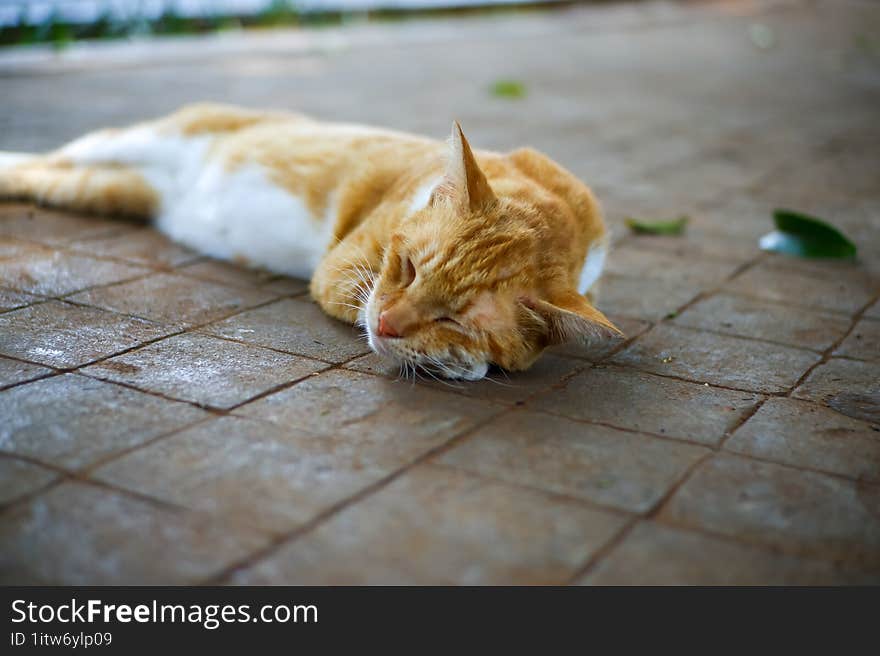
[361, 254]
[443, 381]
[356, 307]
[404, 369]
[443, 368]
[498, 382]
[359, 277]
[353, 280]
[415, 374]
[364, 269]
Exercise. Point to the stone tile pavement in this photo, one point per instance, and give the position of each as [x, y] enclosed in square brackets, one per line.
[153, 402]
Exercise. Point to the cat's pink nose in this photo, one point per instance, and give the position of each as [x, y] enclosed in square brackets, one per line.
[385, 327]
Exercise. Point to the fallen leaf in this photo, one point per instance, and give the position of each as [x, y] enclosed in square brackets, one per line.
[805, 236]
[665, 227]
[508, 89]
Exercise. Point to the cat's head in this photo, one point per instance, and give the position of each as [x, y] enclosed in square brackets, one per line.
[468, 282]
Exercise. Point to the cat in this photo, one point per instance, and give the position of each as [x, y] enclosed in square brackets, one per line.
[451, 260]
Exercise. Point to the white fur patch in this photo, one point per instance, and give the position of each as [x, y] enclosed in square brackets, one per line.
[244, 215]
[232, 215]
[593, 265]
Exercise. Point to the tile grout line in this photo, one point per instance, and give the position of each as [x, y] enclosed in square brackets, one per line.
[21, 499]
[88, 470]
[779, 548]
[655, 510]
[627, 365]
[588, 365]
[742, 421]
[697, 297]
[50, 374]
[133, 494]
[828, 354]
[749, 338]
[201, 331]
[186, 325]
[151, 271]
[562, 496]
[606, 549]
[65, 475]
[12, 455]
[56, 370]
[178, 330]
[624, 429]
[648, 515]
[81, 290]
[223, 576]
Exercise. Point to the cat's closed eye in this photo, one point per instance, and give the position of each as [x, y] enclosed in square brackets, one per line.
[448, 320]
[409, 272]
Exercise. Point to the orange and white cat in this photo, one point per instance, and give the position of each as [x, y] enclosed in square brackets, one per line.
[452, 260]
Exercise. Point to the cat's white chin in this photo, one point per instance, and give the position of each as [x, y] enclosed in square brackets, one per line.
[471, 371]
[476, 372]
[457, 371]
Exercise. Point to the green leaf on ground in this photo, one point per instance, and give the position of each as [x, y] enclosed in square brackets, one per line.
[802, 235]
[665, 227]
[508, 89]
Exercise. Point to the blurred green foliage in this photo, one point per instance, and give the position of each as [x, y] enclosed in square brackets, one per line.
[58, 33]
[279, 13]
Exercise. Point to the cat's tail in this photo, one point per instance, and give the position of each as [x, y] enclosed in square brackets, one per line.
[96, 188]
[12, 185]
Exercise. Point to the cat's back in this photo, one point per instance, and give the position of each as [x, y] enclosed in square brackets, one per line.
[574, 227]
[218, 119]
[300, 141]
[238, 134]
[268, 188]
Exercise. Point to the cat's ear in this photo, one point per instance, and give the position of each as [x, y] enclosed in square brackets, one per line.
[464, 183]
[571, 318]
